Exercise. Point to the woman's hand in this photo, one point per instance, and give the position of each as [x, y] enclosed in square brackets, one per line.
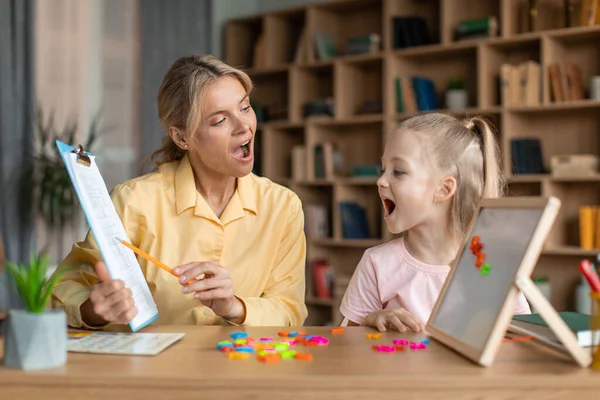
[398, 319]
[110, 301]
[212, 285]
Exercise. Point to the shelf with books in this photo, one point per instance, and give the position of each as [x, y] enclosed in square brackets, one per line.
[566, 230]
[511, 74]
[534, 138]
[358, 88]
[343, 28]
[469, 19]
[328, 80]
[421, 81]
[571, 62]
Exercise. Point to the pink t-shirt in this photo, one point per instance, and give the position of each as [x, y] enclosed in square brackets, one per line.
[388, 277]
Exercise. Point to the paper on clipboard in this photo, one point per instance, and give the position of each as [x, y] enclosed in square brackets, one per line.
[106, 225]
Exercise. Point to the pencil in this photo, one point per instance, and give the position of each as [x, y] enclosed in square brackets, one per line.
[147, 257]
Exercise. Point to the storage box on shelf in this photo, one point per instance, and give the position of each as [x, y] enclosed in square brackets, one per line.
[338, 99]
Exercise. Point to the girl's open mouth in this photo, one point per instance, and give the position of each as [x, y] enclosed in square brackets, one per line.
[389, 206]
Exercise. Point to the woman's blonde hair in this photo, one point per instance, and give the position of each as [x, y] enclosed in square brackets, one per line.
[467, 149]
[180, 98]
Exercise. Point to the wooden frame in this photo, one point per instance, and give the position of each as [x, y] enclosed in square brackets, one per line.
[522, 281]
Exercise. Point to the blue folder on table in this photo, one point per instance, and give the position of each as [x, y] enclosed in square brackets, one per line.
[108, 230]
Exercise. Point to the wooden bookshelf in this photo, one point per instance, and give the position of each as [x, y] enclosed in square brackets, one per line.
[287, 75]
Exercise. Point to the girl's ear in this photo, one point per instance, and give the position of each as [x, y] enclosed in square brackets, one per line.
[178, 138]
[446, 190]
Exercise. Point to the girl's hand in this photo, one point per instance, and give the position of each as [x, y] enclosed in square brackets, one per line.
[398, 319]
[212, 285]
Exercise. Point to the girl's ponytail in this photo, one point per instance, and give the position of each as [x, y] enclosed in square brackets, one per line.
[493, 180]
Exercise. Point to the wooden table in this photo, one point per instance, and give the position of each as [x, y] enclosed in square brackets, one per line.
[347, 368]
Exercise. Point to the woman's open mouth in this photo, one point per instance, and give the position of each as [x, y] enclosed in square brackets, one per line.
[244, 151]
[389, 206]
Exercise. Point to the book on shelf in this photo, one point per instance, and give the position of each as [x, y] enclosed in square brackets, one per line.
[526, 155]
[367, 44]
[477, 28]
[521, 84]
[322, 278]
[329, 160]
[589, 227]
[566, 82]
[409, 31]
[298, 161]
[355, 224]
[316, 221]
[324, 46]
[415, 93]
[589, 12]
[578, 323]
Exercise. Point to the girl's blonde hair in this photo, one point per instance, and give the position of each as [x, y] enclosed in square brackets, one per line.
[467, 149]
[180, 98]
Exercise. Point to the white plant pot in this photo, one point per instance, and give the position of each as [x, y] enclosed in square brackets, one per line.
[457, 99]
[35, 341]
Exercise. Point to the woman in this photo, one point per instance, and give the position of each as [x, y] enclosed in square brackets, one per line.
[203, 212]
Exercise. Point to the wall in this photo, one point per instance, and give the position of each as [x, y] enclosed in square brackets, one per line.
[223, 10]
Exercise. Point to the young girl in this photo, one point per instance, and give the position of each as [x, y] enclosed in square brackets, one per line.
[436, 169]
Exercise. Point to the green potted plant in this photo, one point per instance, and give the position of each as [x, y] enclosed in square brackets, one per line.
[36, 336]
[456, 95]
[46, 183]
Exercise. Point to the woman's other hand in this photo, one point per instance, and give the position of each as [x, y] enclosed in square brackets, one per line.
[212, 285]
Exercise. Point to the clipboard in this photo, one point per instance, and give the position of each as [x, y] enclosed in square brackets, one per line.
[106, 226]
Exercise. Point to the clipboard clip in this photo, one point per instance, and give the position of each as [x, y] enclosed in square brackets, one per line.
[82, 156]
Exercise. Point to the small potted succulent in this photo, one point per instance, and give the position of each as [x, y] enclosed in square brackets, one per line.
[456, 95]
[36, 336]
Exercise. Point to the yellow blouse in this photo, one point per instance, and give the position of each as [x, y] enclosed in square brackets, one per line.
[259, 238]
